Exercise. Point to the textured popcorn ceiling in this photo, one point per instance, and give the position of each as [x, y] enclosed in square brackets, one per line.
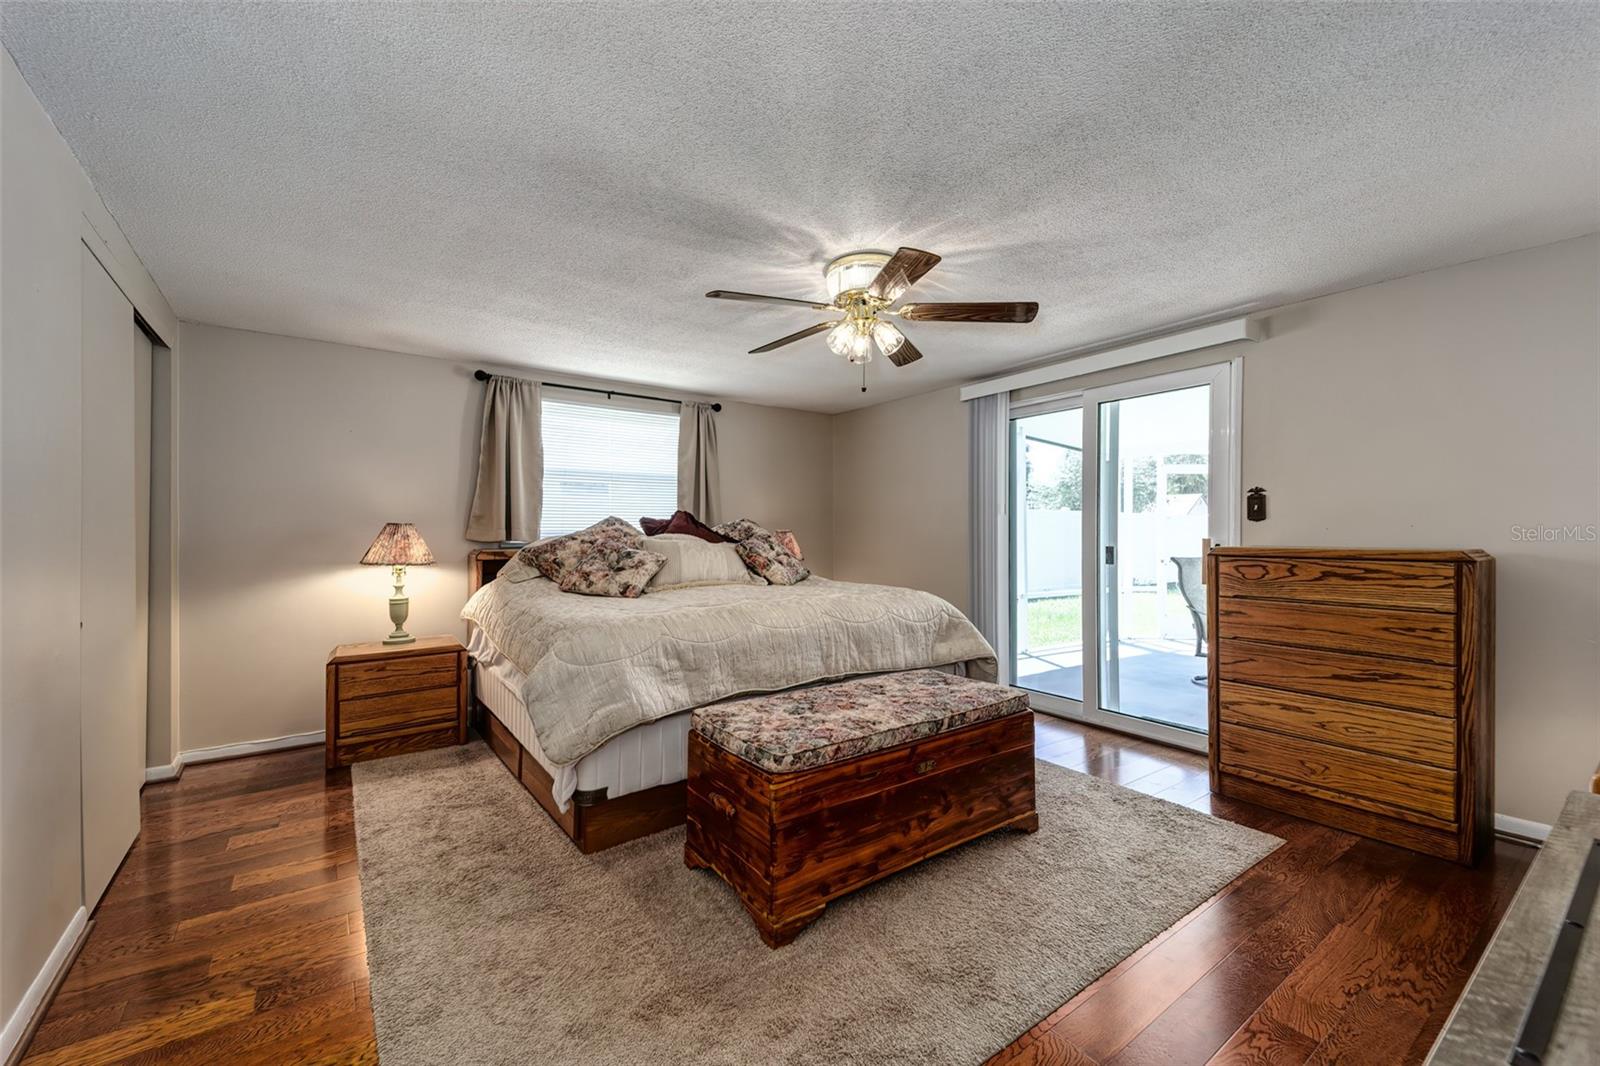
[558, 185]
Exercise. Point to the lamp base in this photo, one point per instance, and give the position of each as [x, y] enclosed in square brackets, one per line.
[399, 607]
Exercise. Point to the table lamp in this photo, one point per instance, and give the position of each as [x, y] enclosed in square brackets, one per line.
[398, 545]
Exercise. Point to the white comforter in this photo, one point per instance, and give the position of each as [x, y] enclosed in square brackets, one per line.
[598, 666]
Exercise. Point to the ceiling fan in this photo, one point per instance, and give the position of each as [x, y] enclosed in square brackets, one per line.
[863, 286]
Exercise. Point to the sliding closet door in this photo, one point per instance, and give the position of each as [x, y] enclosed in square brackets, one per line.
[112, 649]
[143, 368]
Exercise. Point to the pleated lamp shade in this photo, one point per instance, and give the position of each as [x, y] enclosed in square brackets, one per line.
[398, 545]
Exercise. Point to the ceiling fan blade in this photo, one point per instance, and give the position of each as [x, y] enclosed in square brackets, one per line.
[975, 312]
[901, 272]
[906, 353]
[725, 294]
[809, 331]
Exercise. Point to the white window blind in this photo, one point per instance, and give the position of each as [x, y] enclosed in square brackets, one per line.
[607, 457]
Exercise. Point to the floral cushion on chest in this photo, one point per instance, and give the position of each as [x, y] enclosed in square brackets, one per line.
[612, 569]
[556, 556]
[822, 724]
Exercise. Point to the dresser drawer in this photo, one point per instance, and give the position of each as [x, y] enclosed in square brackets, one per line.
[1359, 779]
[406, 710]
[397, 674]
[1409, 735]
[1406, 634]
[1376, 583]
[1425, 687]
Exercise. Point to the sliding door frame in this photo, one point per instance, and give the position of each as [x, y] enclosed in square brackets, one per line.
[1224, 476]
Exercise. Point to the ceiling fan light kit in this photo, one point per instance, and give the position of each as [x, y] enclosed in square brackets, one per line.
[864, 286]
[853, 271]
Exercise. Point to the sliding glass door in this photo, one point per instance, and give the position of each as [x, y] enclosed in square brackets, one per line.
[1116, 492]
[1046, 552]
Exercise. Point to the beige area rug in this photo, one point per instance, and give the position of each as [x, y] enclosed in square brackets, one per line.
[490, 939]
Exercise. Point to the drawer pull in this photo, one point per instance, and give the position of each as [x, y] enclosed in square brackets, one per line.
[721, 805]
[926, 766]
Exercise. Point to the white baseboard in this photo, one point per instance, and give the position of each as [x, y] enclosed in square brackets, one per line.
[174, 770]
[249, 747]
[170, 772]
[21, 1018]
[1521, 828]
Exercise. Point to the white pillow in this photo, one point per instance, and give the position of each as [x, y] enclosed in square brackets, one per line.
[692, 561]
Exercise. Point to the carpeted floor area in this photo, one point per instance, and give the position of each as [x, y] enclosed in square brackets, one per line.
[491, 939]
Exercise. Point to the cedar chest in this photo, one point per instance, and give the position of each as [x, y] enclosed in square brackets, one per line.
[796, 798]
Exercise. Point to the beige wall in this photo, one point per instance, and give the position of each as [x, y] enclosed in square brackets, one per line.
[900, 495]
[48, 211]
[777, 468]
[1447, 410]
[1442, 410]
[294, 453]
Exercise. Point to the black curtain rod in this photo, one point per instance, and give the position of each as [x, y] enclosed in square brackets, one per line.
[484, 375]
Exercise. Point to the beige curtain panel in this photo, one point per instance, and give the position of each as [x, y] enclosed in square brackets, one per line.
[505, 505]
[699, 478]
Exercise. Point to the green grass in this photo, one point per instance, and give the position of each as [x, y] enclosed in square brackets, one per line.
[1059, 619]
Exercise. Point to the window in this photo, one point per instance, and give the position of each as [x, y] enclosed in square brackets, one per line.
[606, 457]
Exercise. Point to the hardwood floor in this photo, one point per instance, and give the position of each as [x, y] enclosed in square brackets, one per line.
[233, 933]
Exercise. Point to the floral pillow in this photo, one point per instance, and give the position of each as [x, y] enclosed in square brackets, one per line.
[555, 556]
[767, 558]
[787, 538]
[737, 530]
[763, 553]
[612, 569]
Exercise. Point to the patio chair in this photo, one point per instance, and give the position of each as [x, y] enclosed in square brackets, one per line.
[1194, 597]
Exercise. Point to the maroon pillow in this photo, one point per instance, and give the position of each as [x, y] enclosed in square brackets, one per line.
[682, 522]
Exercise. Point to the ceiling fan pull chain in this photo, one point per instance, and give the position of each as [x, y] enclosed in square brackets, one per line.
[863, 377]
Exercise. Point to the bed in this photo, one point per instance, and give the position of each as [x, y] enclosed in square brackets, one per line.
[586, 700]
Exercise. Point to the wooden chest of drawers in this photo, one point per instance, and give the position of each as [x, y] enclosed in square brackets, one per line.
[386, 699]
[1355, 688]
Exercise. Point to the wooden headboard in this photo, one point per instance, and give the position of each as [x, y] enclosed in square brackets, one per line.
[483, 564]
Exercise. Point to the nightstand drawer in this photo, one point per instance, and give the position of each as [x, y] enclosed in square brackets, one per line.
[399, 674]
[407, 710]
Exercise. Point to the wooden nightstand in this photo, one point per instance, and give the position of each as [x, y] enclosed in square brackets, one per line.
[387, 699]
